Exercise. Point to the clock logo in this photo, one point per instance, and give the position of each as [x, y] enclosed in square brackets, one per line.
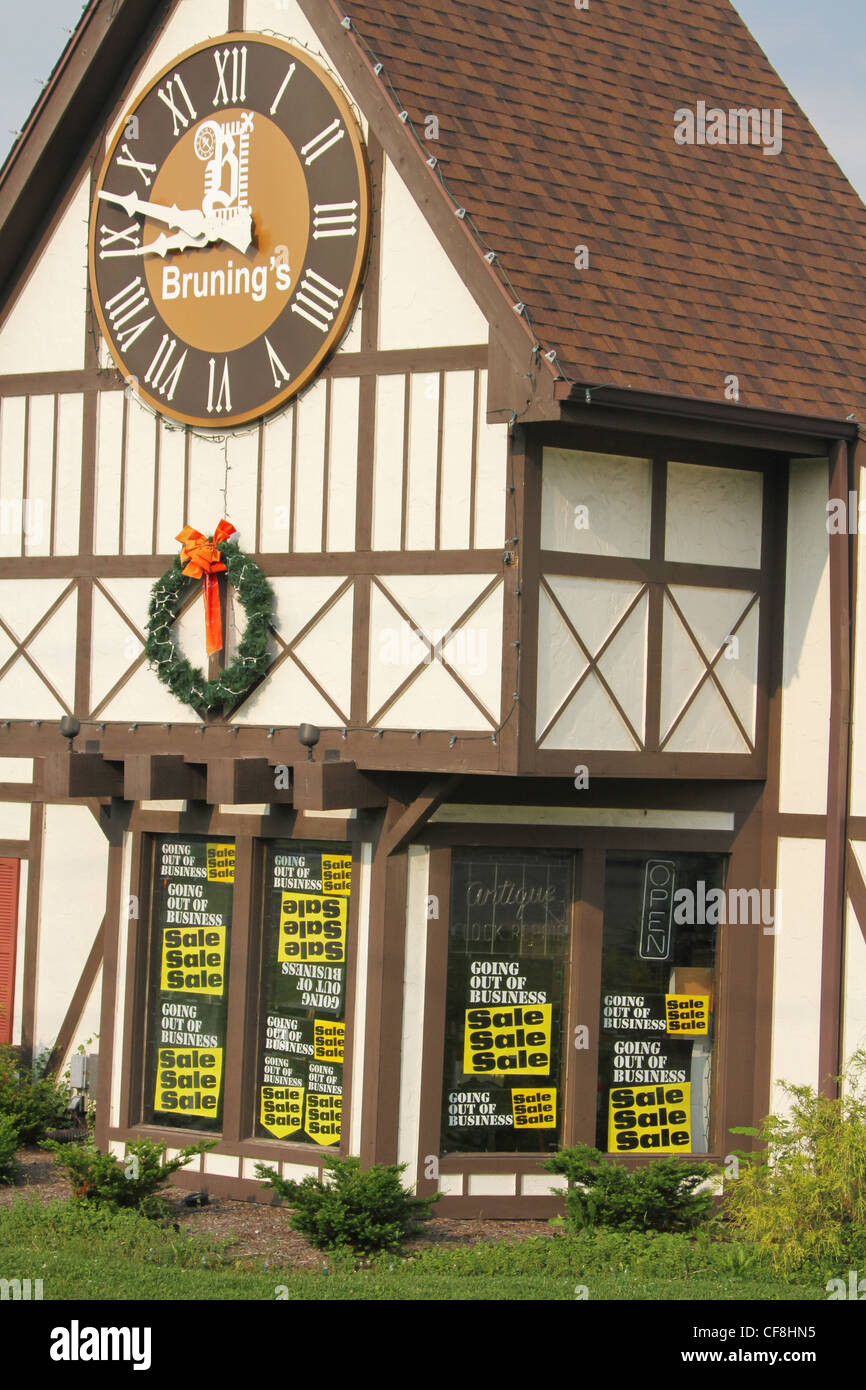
[229, 231]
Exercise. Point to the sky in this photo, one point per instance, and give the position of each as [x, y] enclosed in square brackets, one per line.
[817, 46]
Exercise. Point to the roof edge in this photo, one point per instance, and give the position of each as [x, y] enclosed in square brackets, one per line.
[571, 394]
[506, 316]
[88, 74]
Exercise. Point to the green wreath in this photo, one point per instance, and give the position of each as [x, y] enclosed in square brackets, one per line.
[221, 696]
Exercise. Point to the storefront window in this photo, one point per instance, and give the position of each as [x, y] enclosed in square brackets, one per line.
[658, 1002]
[300, 1061]
[505, 1003]
[191, 914]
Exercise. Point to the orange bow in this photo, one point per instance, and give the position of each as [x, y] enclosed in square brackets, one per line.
[202, 560]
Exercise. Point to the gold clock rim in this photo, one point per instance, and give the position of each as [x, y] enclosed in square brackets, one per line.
[350, 303]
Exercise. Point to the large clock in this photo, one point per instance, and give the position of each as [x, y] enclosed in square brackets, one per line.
[229, 231]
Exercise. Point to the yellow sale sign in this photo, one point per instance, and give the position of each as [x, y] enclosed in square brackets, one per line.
[282, 1110]
[221, 863]
[323, 1117]
[687, 1014]
[532, 1109]
[313, 928]
[193, 960]
[188, 1080]
[328, 1040]
[650, 1119]
[336, 873]
[502, 1042]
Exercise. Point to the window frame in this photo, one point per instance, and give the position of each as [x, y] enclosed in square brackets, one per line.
[738, 1045]
[251, 838]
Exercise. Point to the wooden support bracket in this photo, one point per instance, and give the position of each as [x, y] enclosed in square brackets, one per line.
[81, 774]
[334, 787]
[239, 781]
[163, 777]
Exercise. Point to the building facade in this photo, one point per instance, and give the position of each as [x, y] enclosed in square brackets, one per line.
[557, 506]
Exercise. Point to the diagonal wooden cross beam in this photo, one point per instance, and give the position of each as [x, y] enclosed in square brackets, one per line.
[417, 814]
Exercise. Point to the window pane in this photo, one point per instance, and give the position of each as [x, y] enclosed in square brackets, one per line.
[657, 1002]
[300, 1067]
[191, 914]
[506, 1001]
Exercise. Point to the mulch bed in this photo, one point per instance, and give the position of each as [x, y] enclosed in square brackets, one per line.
[261, 1233]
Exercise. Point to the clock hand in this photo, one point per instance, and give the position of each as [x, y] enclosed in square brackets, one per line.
[237, 230]
[164, 243]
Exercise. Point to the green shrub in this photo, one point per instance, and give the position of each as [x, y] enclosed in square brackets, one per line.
[135, 1182]
[9, 1165]
[34, 1103]
[659, 1196]
[359, 1210]
[802, 1199]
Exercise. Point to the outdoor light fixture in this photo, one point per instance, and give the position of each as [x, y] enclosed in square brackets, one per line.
[70, 727]
[309, 736]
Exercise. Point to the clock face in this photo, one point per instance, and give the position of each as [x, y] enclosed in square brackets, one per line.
[229, 231]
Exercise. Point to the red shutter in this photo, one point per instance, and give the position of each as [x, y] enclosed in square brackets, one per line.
[9, 872]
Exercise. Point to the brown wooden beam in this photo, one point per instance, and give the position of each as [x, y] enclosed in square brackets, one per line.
[236, 781]
[81, 774]
[163, 777]
[31, 931]
[319, 786]
[830, 1038]
[397, 836]
[108, 1001]
[386, 948]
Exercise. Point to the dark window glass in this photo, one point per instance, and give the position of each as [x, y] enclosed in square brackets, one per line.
[658, 1000]
[190, 931]
[299, 1088]
[508, 956]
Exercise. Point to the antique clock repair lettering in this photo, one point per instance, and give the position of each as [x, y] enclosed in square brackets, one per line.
[228, 242]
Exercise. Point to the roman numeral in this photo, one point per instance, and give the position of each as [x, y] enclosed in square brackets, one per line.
[286, 80]
[239, 76]
[335, 219]
[161, 360]
[127, 304]
[166, 94]
[323, 141]
[320, 296]
[130, 163]
[224, 391]
[281, 376]
[130, 239]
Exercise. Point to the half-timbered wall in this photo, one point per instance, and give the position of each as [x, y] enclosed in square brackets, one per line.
[551, 594]
[390, 451]
[627, 662]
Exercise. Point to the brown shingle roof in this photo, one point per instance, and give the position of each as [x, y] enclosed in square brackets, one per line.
[556, 129]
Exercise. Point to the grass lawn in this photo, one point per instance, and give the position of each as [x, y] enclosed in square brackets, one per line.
[83, 1254]
[77, 1275]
